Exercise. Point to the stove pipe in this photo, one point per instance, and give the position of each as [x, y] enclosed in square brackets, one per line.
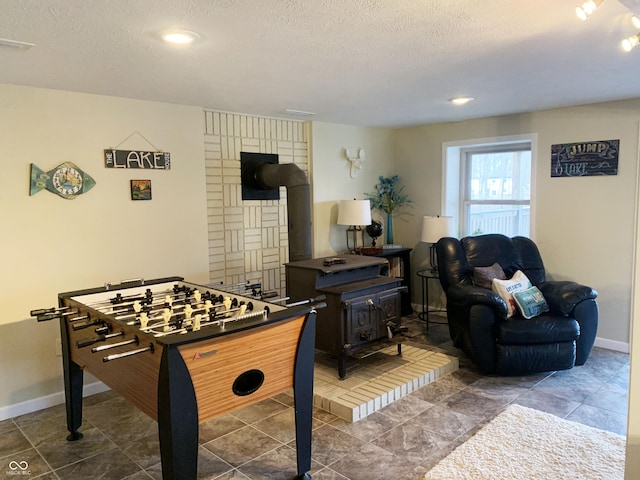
[289, 175]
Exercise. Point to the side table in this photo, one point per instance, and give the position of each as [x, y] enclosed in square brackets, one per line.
[427, 275]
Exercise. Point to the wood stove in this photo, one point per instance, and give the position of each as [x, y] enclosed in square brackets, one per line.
[363, 306]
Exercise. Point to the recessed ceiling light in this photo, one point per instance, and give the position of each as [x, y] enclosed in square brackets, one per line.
[179, 36]
[461, 100]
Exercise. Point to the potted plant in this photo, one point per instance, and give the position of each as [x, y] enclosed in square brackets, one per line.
[388, 197]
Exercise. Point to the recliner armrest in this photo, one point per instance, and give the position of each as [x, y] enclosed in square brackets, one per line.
[472, 295]
[563, 296]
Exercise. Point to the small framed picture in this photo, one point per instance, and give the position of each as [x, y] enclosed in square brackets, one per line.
[140, 189]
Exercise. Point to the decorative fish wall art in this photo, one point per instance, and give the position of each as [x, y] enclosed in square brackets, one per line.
[67, 180]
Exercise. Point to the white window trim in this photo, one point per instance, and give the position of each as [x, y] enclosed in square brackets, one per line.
[451, 174]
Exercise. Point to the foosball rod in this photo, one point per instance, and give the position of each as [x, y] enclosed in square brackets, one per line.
[235, 287]
[130, 299]
[116, 356]
[320, 298]
[221, 322]
[219, 284]
[55, 315]
[280, 300]
[100, 348]
[110, 301]
[136, 303]
[175, 291]
[44, 311]
[86, 342]
[167, 322]
[204, 307]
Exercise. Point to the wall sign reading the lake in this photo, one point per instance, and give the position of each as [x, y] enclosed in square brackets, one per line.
[585, 159]
[137, 159]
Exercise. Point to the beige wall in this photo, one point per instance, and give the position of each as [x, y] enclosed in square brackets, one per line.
[332, 181]
[632, 471]
[51, 245]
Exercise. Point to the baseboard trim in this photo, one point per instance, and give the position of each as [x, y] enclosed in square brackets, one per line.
[612, 345]
[40, 403]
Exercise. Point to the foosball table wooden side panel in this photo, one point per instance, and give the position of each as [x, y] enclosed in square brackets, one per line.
[135, 377]
[214, 365]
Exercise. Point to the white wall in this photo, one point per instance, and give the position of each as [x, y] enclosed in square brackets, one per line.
[51, 245]
[331, 180]
[584, 226]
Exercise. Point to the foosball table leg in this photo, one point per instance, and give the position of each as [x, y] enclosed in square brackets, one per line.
[73, 381]
[177, 418]
[303, 395]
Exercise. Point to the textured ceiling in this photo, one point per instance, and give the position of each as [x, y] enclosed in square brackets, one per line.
[358, 62]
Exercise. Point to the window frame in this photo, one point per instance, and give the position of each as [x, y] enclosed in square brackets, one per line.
[465, 200]
[450, 179]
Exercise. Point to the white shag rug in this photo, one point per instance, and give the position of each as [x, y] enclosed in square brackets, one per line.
[522, 443]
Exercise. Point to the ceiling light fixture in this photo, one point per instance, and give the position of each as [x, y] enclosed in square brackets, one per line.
[586, 10]
[180, 37]
[631, 42]
[5, 42]
[461, 100]
[590, 6]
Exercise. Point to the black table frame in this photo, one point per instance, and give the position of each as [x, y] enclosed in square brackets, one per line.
[426, 275]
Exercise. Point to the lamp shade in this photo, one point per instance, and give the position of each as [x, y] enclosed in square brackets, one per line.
[354, 212]
[435, 228]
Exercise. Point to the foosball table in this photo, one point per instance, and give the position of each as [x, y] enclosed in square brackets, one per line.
[185, 353]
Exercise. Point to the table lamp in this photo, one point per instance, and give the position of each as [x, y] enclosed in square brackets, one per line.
[433, 229]
[355, 214]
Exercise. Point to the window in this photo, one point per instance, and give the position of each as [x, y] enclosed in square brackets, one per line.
[496, 189]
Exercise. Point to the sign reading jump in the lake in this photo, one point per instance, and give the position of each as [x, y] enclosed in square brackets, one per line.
[584, 159]
[137, 159]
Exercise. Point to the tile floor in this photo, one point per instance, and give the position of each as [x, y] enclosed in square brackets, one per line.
[400, 442]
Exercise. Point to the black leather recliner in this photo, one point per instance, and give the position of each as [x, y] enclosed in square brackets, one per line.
[478, 324]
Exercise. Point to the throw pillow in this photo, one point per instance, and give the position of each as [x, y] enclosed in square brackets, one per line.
[506, 288]
[483, 276]
[531, 302]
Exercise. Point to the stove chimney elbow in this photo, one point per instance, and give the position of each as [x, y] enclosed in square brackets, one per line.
[289, 175]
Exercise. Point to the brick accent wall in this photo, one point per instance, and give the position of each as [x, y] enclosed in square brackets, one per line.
[248, 240]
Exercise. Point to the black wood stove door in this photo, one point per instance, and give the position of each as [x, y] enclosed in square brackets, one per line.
[367, 317]
[390, 304]
[361, 321]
